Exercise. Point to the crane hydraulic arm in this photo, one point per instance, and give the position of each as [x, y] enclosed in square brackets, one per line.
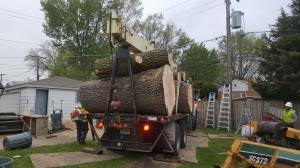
[122, 35]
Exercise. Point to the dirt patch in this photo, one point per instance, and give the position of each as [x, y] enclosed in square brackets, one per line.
[148, 162]
[44, 160]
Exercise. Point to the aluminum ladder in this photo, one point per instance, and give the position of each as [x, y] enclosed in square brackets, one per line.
[210, 113]
[245, 118]
[224, 118]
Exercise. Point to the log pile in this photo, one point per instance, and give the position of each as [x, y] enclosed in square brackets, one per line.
[158, 87]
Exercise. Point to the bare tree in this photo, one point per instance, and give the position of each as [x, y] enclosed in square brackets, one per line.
[246, 50]
[47, 53]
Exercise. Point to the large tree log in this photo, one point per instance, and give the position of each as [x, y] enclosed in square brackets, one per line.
[154, 91]
[183, 75]
[172, 64]
[177, 76]
[177, 88]
[185, 103]
[150, 60]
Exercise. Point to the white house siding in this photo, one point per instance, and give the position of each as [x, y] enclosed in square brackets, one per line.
[27, 101]
[239, 86]
[10, 102]
[68, 99]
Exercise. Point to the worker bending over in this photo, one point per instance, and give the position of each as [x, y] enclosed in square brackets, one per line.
[289, 115]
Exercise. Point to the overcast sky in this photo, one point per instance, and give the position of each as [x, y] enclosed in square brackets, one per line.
[21, 25]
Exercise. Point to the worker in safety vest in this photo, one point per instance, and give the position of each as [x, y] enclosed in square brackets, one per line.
[82, 125]
[289, 115]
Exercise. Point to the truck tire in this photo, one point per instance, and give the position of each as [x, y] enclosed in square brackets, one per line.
[183, 135]
[177, 140]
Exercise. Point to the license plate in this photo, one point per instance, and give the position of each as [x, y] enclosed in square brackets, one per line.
[125, 131]
[259, 159]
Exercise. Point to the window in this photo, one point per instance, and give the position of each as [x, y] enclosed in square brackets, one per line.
[243, 95]
[77, 100]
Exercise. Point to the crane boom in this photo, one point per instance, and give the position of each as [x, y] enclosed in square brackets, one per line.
[122, 35]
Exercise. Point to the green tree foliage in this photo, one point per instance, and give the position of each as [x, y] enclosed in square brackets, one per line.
[279, 68]
[65, 65]
[205, 88]
[245, 49]
[76, 28]
[200, 64]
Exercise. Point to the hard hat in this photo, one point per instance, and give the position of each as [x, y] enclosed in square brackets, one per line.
[288, 104]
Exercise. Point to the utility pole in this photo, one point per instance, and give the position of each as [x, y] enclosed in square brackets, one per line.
[1, 77]
[37, 67]
[229, 57]
[229, 54]
[228, 44]
[1, 85]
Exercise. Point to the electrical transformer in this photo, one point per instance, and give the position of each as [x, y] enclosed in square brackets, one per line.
[236, 17]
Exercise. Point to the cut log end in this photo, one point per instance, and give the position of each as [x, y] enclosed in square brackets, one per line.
[138, 59]
[185, 103]
[169, 88]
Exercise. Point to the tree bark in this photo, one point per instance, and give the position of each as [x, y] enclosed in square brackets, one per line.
[150, 60]
[185, 103]
[154, 91]
[172, 64]
[177, 76]
[183, 76]
[177, 88]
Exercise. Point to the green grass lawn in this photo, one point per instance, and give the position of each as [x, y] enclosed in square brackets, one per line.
[216, 131]
[215, 154]
[25, 162]
[207, 157]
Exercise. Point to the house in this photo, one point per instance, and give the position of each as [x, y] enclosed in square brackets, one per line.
[42, 97]
[241, 89]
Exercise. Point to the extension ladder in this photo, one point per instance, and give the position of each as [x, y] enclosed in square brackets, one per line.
[210, 113]
[224, 118]
[245, 118]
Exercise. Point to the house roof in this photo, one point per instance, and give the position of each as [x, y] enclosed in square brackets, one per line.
[57, 81]
[52, 82]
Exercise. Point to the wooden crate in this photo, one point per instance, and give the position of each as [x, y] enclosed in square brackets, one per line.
[37, 123]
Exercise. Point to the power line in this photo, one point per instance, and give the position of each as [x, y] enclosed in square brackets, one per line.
[246, 33]
[70, 56]
[19, 74]
[12, 65]
[174, 6]
[195, 13]
[11, 68]
[213, 39]
[19, 13]
[19, 17]
[16, 41]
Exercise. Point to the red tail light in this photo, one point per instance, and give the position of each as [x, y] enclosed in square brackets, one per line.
[146, 127]
[125, 125]
[100, 124]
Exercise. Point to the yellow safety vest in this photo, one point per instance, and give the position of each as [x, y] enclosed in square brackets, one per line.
[287, 116]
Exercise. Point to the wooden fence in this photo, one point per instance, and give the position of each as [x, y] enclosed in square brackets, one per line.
[257, 108]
